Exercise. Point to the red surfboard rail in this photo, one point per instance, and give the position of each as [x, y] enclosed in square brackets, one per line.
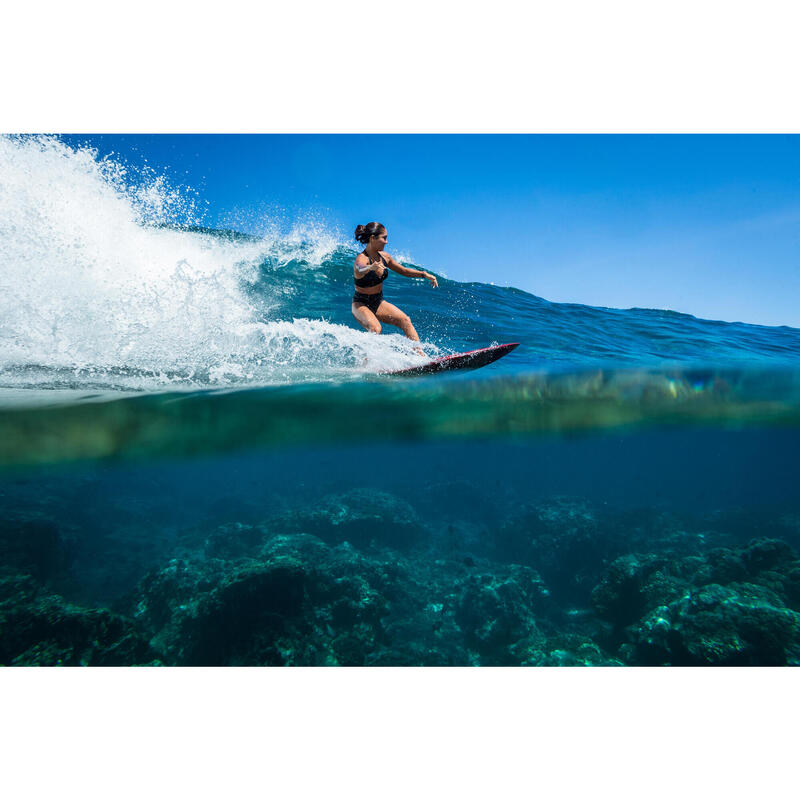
[473, 359]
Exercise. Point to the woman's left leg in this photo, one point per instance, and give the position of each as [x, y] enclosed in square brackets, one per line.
[392, 315]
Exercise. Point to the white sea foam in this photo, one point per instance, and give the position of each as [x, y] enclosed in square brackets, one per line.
[89, 285]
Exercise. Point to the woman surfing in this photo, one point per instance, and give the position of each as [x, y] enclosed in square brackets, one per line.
[370, 270]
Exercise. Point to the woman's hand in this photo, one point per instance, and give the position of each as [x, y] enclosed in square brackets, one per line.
[432, 279]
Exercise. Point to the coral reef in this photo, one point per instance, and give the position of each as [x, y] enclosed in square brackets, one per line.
[733, 606]
[38, 628]
[362, 578]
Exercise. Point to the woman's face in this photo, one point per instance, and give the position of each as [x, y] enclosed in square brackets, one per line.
[379, 241]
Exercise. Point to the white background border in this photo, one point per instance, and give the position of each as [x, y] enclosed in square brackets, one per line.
[410, 67]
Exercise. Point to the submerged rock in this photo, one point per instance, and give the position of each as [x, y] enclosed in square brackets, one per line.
[236, 540]
[562, 540]
[363, 517]
[41, 629]
[737, 625]
[304, 602]
[621, 596]
[294, 604]
[496, 612]
[734, 606]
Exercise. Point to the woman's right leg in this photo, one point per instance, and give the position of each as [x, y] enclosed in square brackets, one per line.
[366, 317]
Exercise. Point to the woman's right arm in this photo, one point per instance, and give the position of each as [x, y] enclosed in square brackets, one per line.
[362, 265]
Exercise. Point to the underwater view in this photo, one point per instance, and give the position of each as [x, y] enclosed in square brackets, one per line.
[203, 460]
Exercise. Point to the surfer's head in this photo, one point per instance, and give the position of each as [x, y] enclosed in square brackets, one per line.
[372, 230]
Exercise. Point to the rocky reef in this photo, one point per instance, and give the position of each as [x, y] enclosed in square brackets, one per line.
[365, 578]
[37, 627]
[736, 606]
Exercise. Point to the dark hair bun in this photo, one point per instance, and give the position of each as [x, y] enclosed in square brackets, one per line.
[365, 232]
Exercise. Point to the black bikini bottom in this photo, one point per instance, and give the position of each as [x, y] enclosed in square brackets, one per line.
[371, 301]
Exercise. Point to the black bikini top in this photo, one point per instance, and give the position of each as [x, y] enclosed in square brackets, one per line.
[371, 278]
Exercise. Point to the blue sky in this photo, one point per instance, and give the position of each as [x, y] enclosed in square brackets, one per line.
[708, 225]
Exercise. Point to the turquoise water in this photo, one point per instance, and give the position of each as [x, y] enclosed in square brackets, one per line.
[201, 464]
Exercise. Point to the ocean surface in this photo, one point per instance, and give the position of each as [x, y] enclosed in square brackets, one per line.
[201, 461]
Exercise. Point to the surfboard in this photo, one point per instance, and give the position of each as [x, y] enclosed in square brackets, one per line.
[473, 359]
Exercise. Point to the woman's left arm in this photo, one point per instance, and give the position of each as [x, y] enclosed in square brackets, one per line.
[411, 273]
